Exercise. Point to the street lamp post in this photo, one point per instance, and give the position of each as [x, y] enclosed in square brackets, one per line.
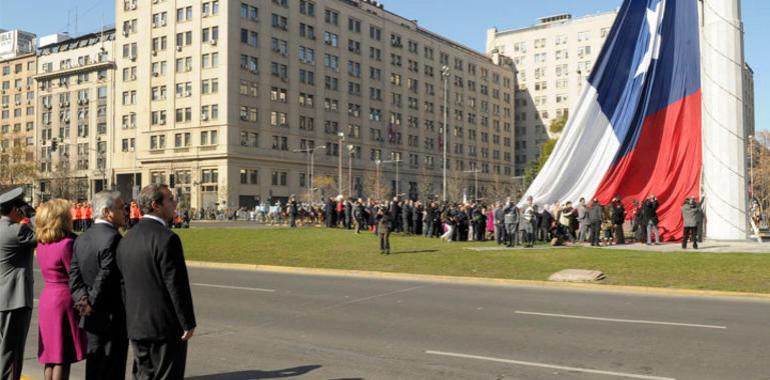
[351, 150]
[751, 167]
[445, 76]
[377, 178]
[475, 183]
[396, 161]
[341, 139]
[311, 152]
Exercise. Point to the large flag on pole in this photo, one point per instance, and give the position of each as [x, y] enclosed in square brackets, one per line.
[635, 131]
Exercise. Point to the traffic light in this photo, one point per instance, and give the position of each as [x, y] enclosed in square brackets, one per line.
[54, 144]
[171, 180]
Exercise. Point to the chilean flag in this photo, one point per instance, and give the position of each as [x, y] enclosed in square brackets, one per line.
[635, 131]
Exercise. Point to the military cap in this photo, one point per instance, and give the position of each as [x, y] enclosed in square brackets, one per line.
[15, 196]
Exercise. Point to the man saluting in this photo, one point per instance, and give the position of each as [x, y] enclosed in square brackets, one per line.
[16, 244]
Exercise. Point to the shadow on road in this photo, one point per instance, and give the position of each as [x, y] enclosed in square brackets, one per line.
[249, 375]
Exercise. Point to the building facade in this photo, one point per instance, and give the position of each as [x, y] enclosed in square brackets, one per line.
[553, 59]
[75, 119]
[17, 121]
[14, 43]
[216, 97]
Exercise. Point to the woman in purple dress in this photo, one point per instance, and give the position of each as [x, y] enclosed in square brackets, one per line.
[60, 340]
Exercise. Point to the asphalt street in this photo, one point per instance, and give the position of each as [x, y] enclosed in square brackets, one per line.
[265, 325]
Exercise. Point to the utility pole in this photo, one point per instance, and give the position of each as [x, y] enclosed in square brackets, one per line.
[311, 152]
[445, 75]
[351, 151]
[396, 161]
[341, 136]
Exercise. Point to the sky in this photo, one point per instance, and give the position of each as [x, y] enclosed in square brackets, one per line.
[453, 19]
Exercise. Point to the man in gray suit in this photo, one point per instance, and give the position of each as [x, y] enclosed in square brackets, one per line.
[499, 219]
[17, 241]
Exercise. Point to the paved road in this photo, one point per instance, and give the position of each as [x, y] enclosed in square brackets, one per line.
[260, 325]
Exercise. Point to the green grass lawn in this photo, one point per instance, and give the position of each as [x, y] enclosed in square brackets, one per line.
[340, 249]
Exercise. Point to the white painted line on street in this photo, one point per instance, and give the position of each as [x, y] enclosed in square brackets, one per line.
[549, 366]
[621, 320]
[234, 287]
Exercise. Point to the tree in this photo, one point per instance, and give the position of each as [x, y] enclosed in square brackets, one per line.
[499, 190]
[425, 185]
[558, 125]
[326, 184]
[373, 188]
[761, 169]
[455, 184]
[17, 164]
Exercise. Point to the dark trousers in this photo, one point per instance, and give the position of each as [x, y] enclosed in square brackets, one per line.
[620, 237]
[384, 240]
[106, 357]
[690, 232]
[511, 234]
[159, 360]
[14, 325]
[292, 221]
[596, 230]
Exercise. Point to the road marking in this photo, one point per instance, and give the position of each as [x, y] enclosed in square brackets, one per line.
[550, 366]
[233, 287]
[621, 320]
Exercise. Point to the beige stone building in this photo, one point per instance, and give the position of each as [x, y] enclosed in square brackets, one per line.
[216, 96]
[17, 120]
[553, 58]
[75, 119]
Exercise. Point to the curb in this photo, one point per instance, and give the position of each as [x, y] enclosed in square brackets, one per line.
[645, 290]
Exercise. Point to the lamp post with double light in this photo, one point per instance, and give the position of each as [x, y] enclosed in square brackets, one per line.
[445, 76]
[351, 152]
[311, 152]
[341, 139]
[397, 162]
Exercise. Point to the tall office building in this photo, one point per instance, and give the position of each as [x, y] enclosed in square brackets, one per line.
[215, 96]
[17, 120]
[553, 58]
[75, 119]
[14, 43]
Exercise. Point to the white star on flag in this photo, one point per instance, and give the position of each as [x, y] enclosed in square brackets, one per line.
[654, 21]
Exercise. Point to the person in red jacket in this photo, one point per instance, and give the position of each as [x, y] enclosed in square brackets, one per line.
[134, 214]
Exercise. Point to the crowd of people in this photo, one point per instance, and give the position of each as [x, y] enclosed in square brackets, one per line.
[507, 223]
[102, 290]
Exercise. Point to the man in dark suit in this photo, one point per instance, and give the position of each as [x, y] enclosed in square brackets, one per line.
[17, 241]
[159, 307]
[595, 214]
[96, 289]
[384, 222]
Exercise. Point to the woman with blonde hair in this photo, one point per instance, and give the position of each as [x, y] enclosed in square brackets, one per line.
[60, 340]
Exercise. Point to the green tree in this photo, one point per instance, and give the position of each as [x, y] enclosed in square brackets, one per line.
[557, 125]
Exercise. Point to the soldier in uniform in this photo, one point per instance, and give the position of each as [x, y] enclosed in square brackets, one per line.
[17, 242]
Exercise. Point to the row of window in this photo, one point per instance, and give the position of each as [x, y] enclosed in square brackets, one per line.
[181, 140]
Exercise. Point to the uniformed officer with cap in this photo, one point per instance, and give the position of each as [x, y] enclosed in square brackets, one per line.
[17, 241]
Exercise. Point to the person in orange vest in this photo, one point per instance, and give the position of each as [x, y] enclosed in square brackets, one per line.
[88, 215]
[77, 221]
[73, 214]
[134, 214]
